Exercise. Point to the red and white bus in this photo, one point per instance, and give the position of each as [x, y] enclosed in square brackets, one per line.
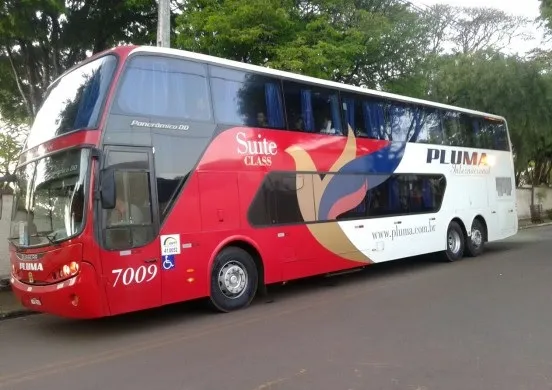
[153, 176]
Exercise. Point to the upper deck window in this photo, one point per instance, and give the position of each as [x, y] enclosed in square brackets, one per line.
[155, 86]
[247, 99]
[74, 102]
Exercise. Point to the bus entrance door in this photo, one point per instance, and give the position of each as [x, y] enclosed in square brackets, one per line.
[131, 259]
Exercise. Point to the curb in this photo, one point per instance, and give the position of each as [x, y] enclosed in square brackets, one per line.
[5, 286]
[535, 226]
[16, 314]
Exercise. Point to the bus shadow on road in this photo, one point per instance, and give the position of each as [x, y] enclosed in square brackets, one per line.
[199, 312]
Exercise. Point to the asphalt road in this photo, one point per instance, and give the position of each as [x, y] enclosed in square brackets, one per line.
[418, 324]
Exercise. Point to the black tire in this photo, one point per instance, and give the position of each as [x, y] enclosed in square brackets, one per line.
[229, 294]
[476, 242]
[455, 243]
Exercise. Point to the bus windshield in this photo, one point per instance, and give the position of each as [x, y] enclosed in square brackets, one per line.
[74, 102]
[49, 198]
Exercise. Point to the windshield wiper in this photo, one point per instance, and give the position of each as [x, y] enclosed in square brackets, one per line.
[50, 237]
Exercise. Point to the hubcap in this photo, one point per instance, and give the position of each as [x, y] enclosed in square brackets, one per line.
[454, 242]
[232, 279]
[477, 238]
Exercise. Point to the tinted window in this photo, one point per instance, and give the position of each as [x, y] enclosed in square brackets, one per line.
[405, 122]
[402, 194]
[451, 128]
[247, 99]
[365, 116]
[164, 87]
[276, 202]
[74, 102]
[124, 159]
[177, 156]
[130, 223]
[491, 134]
[501, 136]
[312, 109]
[466, 135]
[460, 129]
[430, 127]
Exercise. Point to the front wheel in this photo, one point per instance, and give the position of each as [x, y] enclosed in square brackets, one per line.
[455, 242]
[234, 280]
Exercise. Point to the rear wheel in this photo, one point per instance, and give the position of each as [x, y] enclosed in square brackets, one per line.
[234, 280]
[455, 242]
[476, 242]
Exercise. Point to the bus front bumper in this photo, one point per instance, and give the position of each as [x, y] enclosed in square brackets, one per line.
[78, 297]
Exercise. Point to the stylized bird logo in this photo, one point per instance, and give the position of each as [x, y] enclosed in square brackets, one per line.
[329, 235]
[342, 189]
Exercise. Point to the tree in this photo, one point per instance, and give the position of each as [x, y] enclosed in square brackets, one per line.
[39, 39]
[518, 89]
[546, 12]
[11, 139]
[359, 42]
[479, 29]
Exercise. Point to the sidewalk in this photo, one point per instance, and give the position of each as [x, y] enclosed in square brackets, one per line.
[9, 306]
[526, 223]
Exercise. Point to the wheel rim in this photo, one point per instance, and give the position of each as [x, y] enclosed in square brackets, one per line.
[477, 238]
[233, 279]
[454, 241]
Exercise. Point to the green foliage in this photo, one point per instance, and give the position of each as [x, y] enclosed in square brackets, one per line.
[39, 39]
[381, 44]
[546, 12]
[243, 30]
[11, 140]
[518, 89]
[354, 41]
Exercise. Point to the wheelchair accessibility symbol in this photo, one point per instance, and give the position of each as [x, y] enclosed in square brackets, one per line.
[168, 262]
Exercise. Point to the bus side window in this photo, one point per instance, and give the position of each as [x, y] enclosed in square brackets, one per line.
[501, 137]
[451, 128]
[130, 223]
[312, 109]
[164, 87]
[366, 116]
[247, 99]
[431, 131]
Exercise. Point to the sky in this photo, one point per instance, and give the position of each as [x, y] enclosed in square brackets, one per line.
[526, 8]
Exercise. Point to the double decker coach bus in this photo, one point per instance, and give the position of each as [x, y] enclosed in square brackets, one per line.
[153, 176]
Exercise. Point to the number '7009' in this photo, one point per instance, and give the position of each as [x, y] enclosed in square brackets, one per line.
[142, 274]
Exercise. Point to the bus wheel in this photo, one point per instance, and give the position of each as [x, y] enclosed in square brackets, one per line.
[455, 242]
[234, 280]
[476, 242]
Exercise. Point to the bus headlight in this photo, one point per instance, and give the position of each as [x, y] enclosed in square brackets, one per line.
[67, 270]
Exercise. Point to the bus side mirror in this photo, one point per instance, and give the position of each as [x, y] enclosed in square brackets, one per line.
[107, 189]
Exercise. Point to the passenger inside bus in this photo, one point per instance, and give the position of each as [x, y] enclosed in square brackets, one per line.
[300, 124]
[261, 120]
[327, 127]
[125, 212]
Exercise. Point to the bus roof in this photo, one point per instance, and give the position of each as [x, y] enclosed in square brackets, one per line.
[307, 79]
